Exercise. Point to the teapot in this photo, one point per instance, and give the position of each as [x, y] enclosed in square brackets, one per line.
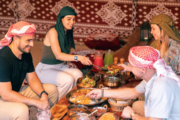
[108, 59]
[98, 60]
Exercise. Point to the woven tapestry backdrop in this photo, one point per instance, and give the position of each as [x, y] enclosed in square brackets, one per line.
[94, 16]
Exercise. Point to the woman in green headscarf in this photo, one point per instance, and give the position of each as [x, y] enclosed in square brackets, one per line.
[57, 45]
[167, 40]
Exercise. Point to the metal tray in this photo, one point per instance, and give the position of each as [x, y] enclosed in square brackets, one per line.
[90, 104]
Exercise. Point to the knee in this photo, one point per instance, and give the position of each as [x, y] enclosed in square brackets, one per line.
[138, 107]
[78, 74]
[22, 112]
[51, 90]
[135, 105]
[68, 81]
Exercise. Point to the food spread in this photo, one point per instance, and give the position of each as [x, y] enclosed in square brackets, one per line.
[80, 97]
[87, 82]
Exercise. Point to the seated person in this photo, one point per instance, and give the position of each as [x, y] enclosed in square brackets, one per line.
[160, 83]
[167, 40]
[16, 65]
[56, 48]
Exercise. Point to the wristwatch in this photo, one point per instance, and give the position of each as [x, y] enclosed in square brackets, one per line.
[76, 58]
[132, 114]
[42, 93]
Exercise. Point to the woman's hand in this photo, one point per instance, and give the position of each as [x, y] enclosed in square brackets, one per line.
[69, 64]
[126, 67]
[84, 60]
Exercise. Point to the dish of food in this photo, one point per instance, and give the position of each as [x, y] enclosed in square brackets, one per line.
[100, 111]
[81, 116]
[72, 109]
[112, 70]
[86, 82]
[109, 116]
[79, 97]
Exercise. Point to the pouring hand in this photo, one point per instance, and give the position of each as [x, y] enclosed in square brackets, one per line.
[84, 60]
[95, 94]
[126, 67]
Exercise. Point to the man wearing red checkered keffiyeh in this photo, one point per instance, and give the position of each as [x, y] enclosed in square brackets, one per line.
[160, 86]
[15, 66]
[21, 28]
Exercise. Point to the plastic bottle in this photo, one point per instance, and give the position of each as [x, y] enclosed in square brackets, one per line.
[43, 115]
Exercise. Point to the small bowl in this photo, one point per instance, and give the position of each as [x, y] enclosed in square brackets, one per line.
[118, 105]
[81, 116]
[112, 81]
[80, 80]
[100, 110]
[72, 109]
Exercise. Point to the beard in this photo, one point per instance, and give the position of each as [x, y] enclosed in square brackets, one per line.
[23, 49]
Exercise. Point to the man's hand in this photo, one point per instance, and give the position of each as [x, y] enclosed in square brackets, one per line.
[126, 67]
[95, 94]
[44, 99]
[127, 112]
[42, 104]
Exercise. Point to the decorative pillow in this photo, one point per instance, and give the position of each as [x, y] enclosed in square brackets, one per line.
[87, 53]
[103, 41]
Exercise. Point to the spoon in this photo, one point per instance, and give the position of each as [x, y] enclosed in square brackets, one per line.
[101, 68]
[80, 100]
[90, 114]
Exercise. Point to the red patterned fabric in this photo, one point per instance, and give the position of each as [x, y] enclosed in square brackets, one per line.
[103, 41]
[21, 28]
[143, 56]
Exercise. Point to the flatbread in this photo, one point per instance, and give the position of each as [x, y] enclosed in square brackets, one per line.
[108, 116]
[58, 111]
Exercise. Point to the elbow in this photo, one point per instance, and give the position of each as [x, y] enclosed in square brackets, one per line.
[4, 97]
[58, 57]
[134, 97]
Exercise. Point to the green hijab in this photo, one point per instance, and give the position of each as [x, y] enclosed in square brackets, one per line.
[167, 24]
[65, 40]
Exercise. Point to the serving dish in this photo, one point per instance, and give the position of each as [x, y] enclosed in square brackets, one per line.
[118, 104]
[81, 116]
[100, 110]
[72, 109]
[79, 94]
[86, 82]
[112, 81]
[109, 116]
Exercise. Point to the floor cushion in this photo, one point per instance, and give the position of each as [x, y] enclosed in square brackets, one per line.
[103, 41]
